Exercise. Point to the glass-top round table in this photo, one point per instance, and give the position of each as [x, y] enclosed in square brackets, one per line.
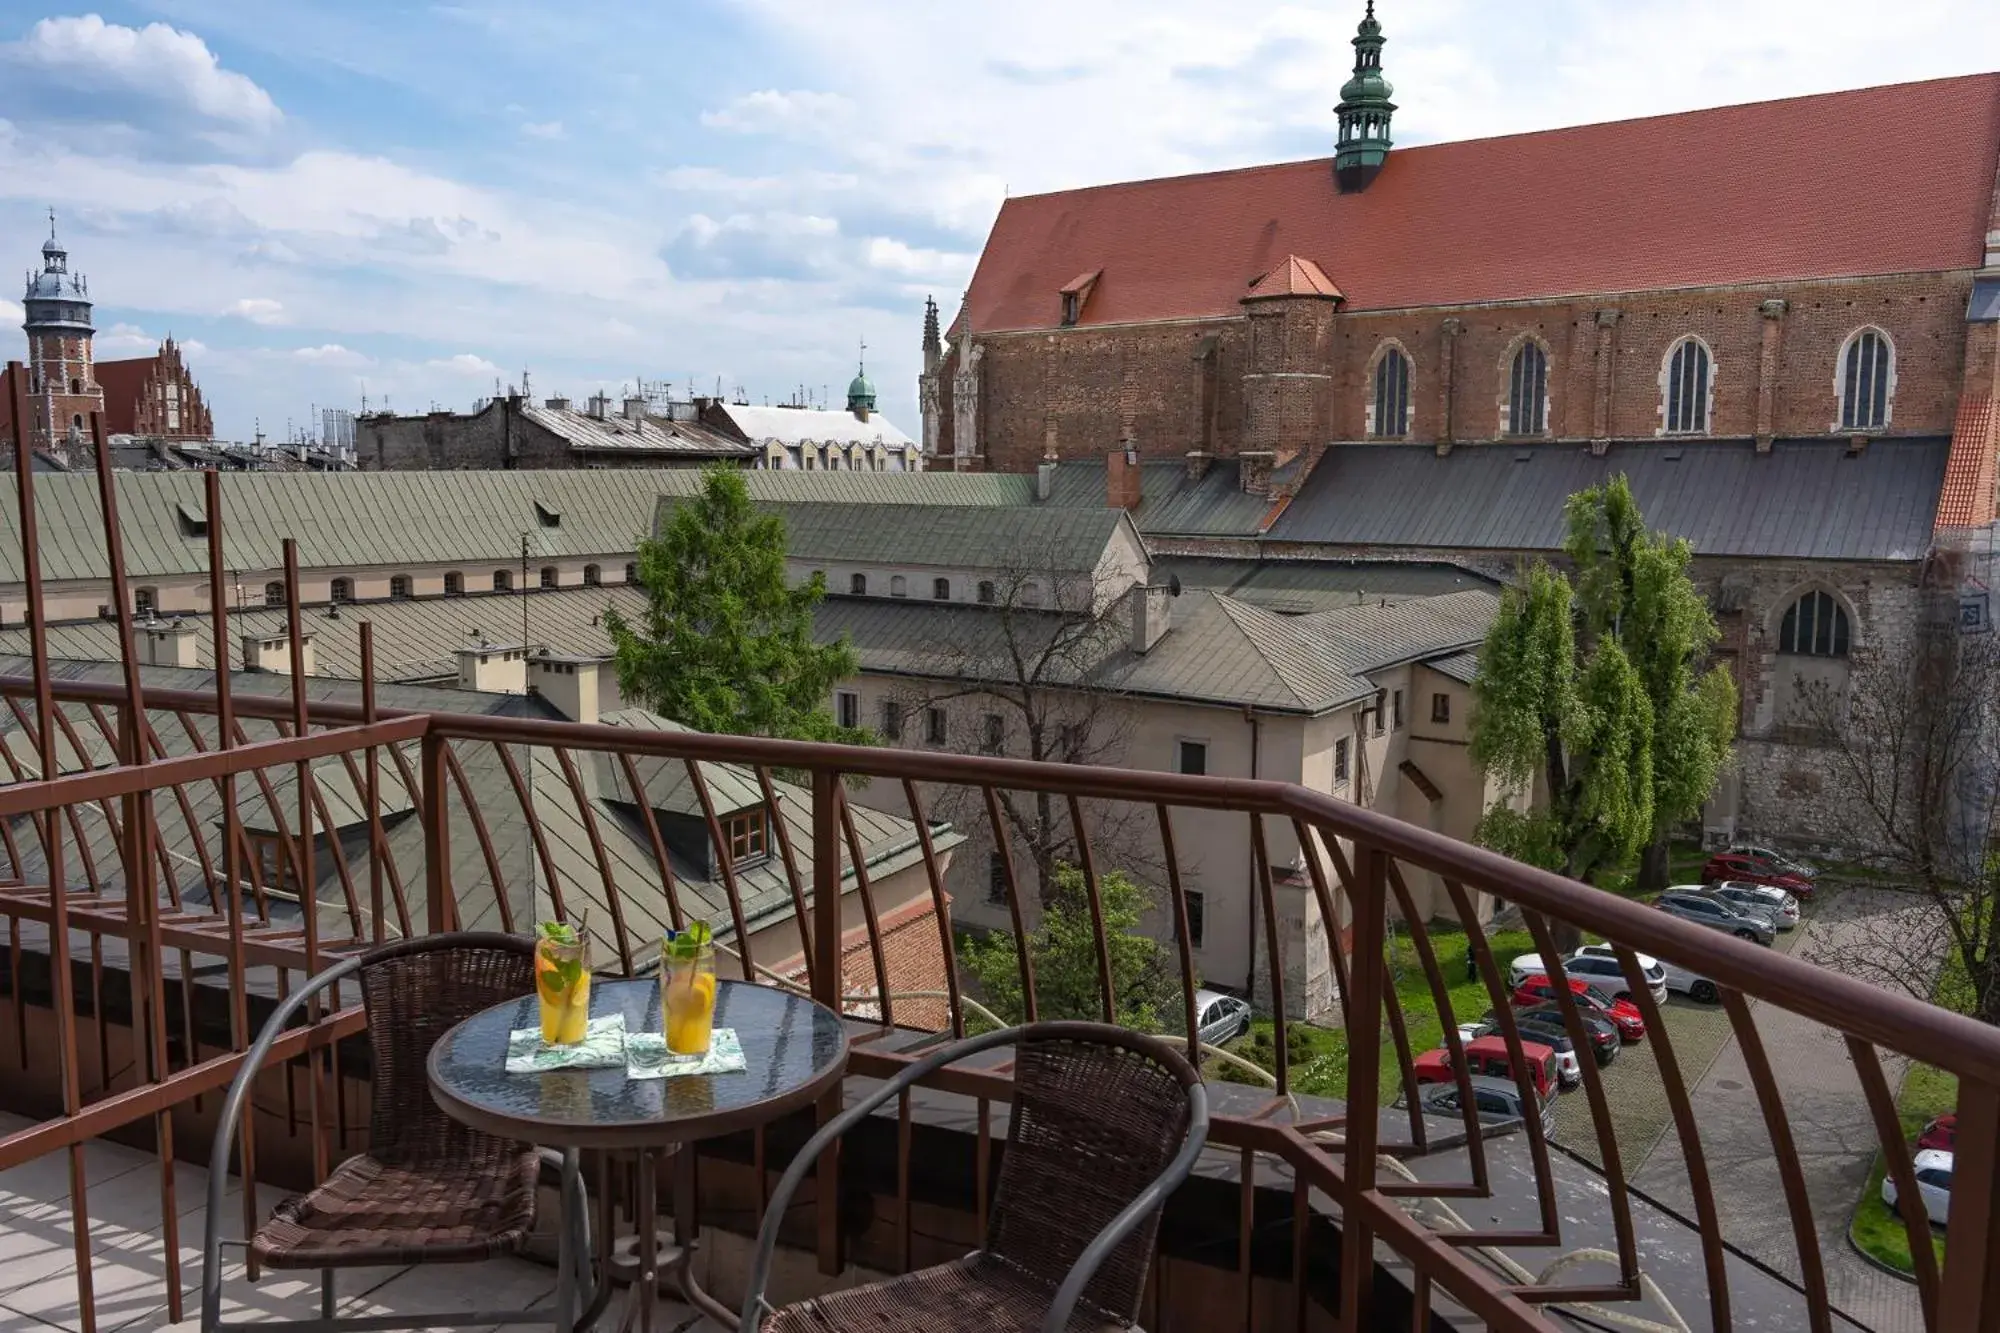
[794, 1052]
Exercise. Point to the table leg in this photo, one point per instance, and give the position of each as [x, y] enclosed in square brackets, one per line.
[684, 1235]
[568, 1254]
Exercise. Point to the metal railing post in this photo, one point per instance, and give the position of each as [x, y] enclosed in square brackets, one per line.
[828, 982]
[437, 838]
[1362, 1016]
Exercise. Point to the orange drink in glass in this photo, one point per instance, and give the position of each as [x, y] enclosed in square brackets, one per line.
[562, 982]
[687, 989]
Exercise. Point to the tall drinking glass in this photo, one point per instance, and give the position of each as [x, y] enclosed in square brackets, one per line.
[562, 983]
[687, 988]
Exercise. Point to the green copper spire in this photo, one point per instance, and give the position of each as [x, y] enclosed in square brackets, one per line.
[1364, 110]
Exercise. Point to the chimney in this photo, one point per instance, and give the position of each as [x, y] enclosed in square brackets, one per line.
[273, 653]
[557, 404]
[496, 668]
[1197, 464]
[635, 409]
[1121, 478]
[1152, 614]
[600, 405]
[1045, 480]
[1255, 471]
[167, 643]
[570, 685]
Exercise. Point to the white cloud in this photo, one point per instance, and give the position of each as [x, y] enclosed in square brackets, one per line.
[544, 129]
[330, 354]
[123, 340]
[157, 63]
[893, 256]
[773, 112]
[465, 363]
[258, 310]
[11, 315]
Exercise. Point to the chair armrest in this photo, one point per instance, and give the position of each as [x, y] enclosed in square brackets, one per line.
[1115, 1232]
[225, 1130]
[774, 1211]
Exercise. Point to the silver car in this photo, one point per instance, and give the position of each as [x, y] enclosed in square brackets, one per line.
[1600, 967]
[1717, 914]
[1497, 1102]
[1782, 906]
[1220, 1018]
[1677, 979]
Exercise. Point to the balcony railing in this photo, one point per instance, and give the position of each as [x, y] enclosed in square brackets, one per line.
[146, 935]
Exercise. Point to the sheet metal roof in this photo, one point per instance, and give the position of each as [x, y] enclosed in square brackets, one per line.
[796, 425]
[949, 536]
[364, 520]
[1213, 505]
[616, 434]
[1298, 587]
[1805, 499]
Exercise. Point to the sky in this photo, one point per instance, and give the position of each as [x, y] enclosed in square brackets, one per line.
[326, 199]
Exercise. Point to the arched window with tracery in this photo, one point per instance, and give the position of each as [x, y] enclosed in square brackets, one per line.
[1686, 386]
[1867, 380]
[1814, 626]
[1391, 417]
[1528, 391]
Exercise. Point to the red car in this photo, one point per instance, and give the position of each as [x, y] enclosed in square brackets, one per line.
[1539, 990]
[1756, 870]
[1940, 1133]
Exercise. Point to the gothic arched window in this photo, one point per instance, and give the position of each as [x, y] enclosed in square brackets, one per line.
[1687, 388]
[1867, 374]
[1392, 394]
[1814, 626]
[1527, 391]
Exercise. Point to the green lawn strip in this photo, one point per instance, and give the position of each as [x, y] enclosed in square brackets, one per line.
[1877, 1230]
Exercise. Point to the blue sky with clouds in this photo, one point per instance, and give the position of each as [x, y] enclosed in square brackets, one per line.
[323, 198]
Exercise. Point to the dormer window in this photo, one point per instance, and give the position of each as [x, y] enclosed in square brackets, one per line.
[1071, 307]
[548, 515]
[1076, 294]
[749, 835]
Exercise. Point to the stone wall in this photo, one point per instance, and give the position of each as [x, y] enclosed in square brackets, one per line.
[1177, 386]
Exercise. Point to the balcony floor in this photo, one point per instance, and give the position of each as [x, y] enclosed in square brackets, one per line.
[38, 1257]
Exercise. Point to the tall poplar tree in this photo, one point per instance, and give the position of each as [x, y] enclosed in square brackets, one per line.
[725, 643]
[1591, 697]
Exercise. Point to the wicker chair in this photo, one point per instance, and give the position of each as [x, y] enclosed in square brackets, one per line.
[1106, 1124]
[429, 1189]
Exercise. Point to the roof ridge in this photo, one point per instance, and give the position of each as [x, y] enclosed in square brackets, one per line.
[1260, 624]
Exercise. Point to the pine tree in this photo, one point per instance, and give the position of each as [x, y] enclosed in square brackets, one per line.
[725, 643]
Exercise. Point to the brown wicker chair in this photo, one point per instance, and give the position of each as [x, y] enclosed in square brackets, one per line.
[1106, 1124]
[429, 1189]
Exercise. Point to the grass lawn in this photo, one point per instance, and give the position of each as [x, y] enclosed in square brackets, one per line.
[1877, 1231]
[1318, 1062]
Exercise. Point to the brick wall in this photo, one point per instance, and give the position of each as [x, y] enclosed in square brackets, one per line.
[1077, 390]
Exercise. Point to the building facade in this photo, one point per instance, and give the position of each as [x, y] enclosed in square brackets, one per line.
[155, 397]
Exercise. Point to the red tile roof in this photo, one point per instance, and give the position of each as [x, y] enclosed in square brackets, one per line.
[1293, 277]
[1967, 497]
[123, 382]
[1894, 179]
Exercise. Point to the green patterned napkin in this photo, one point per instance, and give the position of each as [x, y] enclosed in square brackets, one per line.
[602, 1047]
[646, 1056]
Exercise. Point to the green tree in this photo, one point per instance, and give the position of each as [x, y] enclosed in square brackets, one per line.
[1063, 951]
[1589, 695]
[725, 643]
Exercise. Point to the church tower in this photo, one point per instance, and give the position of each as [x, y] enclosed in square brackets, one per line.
[929, 383]
[861, 390]
[62, 380]
[1364, 111]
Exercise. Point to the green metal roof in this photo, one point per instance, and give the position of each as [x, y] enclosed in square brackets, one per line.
[948, 536]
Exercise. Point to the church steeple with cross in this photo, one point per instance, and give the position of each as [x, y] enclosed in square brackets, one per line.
[861, 391]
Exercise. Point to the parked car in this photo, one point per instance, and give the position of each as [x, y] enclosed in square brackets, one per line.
[1489, 1055]
[1497, 1101]
[1677, 979]
[1220, 1018]
[1544, 1022]
[1775, 859]
[1569, 1072]
[1705, 910]
[1933, 1182]
[1540, 990]
[1780, 903]
[1600, 968]
[1941, 1133]
[1729, 865]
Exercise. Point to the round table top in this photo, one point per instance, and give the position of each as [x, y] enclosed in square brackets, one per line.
[794, 1050]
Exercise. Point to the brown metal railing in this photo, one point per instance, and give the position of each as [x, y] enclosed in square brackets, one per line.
[184, 883]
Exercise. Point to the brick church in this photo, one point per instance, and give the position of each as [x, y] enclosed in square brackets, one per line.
[1780, 320]
[62, 384]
